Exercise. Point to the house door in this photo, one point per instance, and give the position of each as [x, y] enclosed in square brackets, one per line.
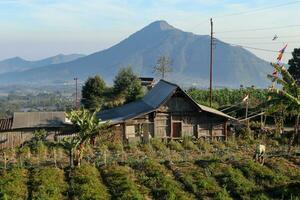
[176, 129]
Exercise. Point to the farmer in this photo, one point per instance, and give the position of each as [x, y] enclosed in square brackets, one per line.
[259, 155]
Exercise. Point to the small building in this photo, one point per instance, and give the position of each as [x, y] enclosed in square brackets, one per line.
[166, 112]
[18, 129]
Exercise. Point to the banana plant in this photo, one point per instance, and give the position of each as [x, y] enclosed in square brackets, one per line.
[287, 95]
[88, 126]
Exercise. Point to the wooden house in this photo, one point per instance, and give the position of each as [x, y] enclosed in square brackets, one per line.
[166, 112]
[18, 129]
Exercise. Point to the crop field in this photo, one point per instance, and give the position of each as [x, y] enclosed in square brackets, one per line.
[156, 171]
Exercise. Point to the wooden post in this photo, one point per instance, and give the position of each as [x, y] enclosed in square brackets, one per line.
[54, 157]
[171, 128]
[104, 157]
[5, 160]
[225, 130]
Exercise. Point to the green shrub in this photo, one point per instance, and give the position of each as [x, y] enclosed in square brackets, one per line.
[13, 184]
[196, 180]
[162, 185]
[204, 146]
[48, 183]
[120, 183]
[175, 146]
[187, 143]
[87, 185]
[157, 144]
[115, 146]
[236, 183]
[261, 174]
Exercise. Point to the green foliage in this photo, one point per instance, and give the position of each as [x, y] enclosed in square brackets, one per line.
[174, 145]
[87, 185]
[157, 144]
[198, 181]
[93, 93]
[127, 85]
[88, 126]
[155, 177]
[120, 182]
[13, 184]
[261, 174]
[236, 183]
[48, 184]
[294, 63]
[115, 146]
[40, 135]
[187, 143]
[228, 97]
[204, 146]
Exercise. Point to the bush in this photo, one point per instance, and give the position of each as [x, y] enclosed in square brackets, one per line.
[48, 183]
[188, 144]
[261, 174]
[155, 177]
[157, 144]
[197, 181]
[236, 183]
[87, 185]
[115, 146]
[204, 146]
[13, 184]
[175, 146]
[120, 183]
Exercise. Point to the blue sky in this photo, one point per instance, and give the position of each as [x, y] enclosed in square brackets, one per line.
[35, 29]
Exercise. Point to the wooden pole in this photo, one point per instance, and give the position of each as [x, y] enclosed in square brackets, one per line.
[211, 62]
[247, 105]
[76, 94]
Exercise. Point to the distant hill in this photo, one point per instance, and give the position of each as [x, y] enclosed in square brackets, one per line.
[18, 64]
[233, 65]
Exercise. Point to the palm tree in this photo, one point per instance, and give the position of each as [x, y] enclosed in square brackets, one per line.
[288, 95]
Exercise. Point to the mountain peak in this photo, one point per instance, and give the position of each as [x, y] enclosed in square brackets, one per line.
[159, 25]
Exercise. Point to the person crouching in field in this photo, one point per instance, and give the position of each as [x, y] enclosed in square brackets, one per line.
[260, 152]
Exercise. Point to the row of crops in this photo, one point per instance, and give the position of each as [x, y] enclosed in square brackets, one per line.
[149, 179]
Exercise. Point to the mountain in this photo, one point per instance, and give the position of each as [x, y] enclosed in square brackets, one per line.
[233, 65]
[18, 64]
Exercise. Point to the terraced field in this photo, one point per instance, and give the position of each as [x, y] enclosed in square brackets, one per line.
[202, 176]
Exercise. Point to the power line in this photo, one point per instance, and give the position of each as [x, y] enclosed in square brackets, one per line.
[259, 9]
[255, 48]
[262, 37]
[260, 29]
[246, 12]
[269, 42]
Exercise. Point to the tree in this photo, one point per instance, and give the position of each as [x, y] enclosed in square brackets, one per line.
[294, 63]
[288, 95]
[127, 85]
[163, 66]
[93, 93]
[88, 126]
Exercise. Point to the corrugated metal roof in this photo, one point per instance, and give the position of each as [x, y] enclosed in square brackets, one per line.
[158, 95]
[6, 124]
[214, 111]
[38, 119]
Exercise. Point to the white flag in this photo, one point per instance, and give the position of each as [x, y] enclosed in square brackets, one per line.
[246, 98]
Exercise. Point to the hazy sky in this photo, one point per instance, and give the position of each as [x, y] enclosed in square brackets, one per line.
[35, 29]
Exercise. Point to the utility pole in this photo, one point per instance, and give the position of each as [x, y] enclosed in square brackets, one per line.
[211, 61]
[76, 94]
[247, 107]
